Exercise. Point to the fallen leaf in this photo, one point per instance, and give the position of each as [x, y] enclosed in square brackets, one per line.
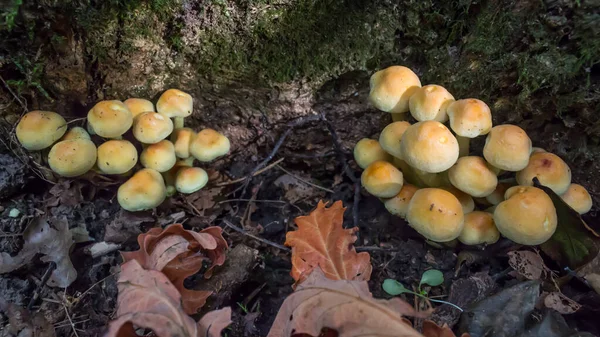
[321, 241]
[430, 329]
[53, 240]
[23, 323]
[295, 190]
[126, 225]
[561, 303]
[179, 253]
[148, 299]
[553, 325]
[346, 306]
[527, 263]
[66, 192]
[594, 281]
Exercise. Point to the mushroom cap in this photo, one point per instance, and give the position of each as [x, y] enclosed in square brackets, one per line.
[190, 179]
[382, 179]
[391, 88]
[144, 190]
[208, 145]
[466, 201]
[151, 127]
[430, 103]
[71, 158]
[367, 151]
[175, 103]
[470, 117]
[391, 136]
[578, 198]
[398, 204]
[479, 228]
[436, 214]
[527, 216]
[182, 138]
[507, 147]
[138, 105]
[110, 119]
[472, 175]
[116, 156]
[549, 168]
[497, 196]
[537, 149]
[429, 146]
[75, 133]
[38, 129]
[159, 156]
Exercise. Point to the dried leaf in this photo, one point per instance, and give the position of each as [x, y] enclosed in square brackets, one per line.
[594, 281]
[561, 303]
[66, 192]
[527, 263]
[23, 323]
[179, 253]
[295, 190]
[148, 299]
[321, 241]
[53, 240]
[126, 225]
[430, 329]
[343, 305]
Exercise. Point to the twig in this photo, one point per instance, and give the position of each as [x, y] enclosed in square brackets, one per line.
[355, 203]
[67, 313]
[304, 181]
[45, 278]
[376, 249]
[225, 183]
[310, 156]
[23, 105]
[62, 325]
[78, 299]
[258, 201]
[338, 149]
[268, 242]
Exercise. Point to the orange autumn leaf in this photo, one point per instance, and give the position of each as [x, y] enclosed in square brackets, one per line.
[322, 241]
[430, 329]
[179, 253]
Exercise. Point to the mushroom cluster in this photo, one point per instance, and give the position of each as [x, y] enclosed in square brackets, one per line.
[424, 172]
[167, 150]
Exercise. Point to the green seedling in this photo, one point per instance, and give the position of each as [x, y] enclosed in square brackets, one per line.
[432, 277]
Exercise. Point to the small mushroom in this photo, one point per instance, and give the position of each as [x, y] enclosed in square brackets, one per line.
[479, 229]
[367, 151]
[578, 198]
[38, 130]
[116, 157]
[466, 201]
[144, 190]
[507, 147]
[527, 216]
[171, 174]
[469, 118]
[537, 149]
[76, 132]
[430, 103]
[497, 196]
[181, 139]
[160, 156]
[190, 179]
[398, 204]
[109, 119]
[436, 214]
[382, 179]
[549, 168]
[429, 146]
[391, 137]
[71, 158]
[151, 127]
[473, 176]
[208, 145]
[138, 105]
[391, 88]
[176, 104]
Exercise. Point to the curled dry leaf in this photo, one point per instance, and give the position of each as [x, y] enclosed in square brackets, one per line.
[343, 305]
[527, 263]
[321, 241]
[148, 299]
[179, 253]
[594, 281]
[23, 323]
[53, 240]
[561, 303]
[430, 329]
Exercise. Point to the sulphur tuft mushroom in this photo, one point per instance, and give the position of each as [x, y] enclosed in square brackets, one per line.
[549, 168]
[109, 119]
[466, 201]
[391, 88]
[160, 156]
[209, 145]
[181, 139]
[391, 136]
[138, 105]
[151, 127]
[116, 157]
[469, 118]
[382, 179]
[398, 204]
[367, 151]
[144, 190]
[527, 216]
[479, 229]
[38, 129]
[176, 104]
[430, 103]
[429, 146]
[436, 214]
[497, 196]
[578, 198]
[71, 158]
[171, 174]
[190, 179]
[76, 132]
[473, 176]
[507, 147]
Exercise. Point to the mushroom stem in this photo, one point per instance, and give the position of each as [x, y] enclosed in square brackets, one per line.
[429, 179]
[178, 122]
[400, 117]
[463, 145]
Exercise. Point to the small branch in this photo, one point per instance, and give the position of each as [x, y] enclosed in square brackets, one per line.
[304, 181]
[355, 203]
[225, 183]
[42, 284]
[310, 156]
[338, 149]
[268, 242]
[256, 201]
[67, 313]
[23, 105]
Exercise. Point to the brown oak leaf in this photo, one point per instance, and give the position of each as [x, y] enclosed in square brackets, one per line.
[322, 241]
[527, 263]
[179, 253]
[149, 300]
[345, 306]
[561, 303]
